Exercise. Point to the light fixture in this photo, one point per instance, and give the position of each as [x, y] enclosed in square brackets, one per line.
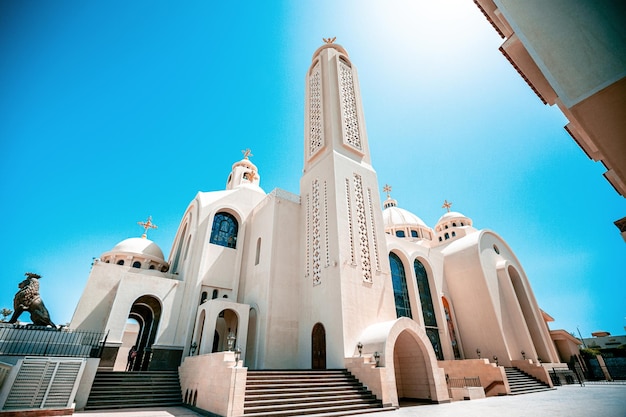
[360, 347]
[523, 355]
[478, 352]
[495, 359]
[192, 348]
[377, 358]
[231, 341]
[237, 355]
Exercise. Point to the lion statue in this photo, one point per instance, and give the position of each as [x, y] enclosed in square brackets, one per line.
[28, 299]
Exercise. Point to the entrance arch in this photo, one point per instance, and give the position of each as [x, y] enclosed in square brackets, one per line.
[318, 347]
[403, 347]
[412, 382]
[146, 311]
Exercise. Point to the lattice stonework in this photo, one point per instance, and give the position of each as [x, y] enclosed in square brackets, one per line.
[349, 115]
[374, 238]
[326, 238]
[316, 126]
[361, 222]
[308, 235]
[316, 265]
[350, 230]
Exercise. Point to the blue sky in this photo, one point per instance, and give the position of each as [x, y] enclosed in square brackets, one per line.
[114, 111]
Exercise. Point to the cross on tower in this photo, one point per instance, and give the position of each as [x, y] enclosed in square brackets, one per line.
[446, 205]
[329, 40]
[387, 189]
[246, 153]
[147, 225]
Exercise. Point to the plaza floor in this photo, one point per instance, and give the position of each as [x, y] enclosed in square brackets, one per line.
[602, 400]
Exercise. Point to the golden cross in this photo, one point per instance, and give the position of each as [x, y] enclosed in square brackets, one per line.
[329, 40]
[387, 189]
[246, 153]
[446, 205]
[147, 225]
[250, 176]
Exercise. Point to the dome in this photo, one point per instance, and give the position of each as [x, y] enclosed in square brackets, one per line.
[396, 216]
[139, 246]
[451, 215]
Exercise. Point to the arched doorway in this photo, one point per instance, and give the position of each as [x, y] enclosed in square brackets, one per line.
[410, 365]
[318, 347]
[146, 311]
[226, 327]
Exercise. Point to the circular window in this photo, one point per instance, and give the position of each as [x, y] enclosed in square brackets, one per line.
[495, 248]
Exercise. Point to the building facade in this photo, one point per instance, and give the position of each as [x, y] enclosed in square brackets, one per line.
[332, 278]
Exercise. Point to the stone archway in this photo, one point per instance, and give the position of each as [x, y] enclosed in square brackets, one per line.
[412, 381]
[146, 311]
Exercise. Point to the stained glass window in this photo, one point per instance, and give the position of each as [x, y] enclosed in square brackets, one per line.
[224, 231]
[428, 310]
[400, 293]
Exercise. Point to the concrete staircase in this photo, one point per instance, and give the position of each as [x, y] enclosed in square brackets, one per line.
[134, 389]
[522, 383]
[306, 392]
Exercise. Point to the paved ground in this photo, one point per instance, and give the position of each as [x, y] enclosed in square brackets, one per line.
[567, 401]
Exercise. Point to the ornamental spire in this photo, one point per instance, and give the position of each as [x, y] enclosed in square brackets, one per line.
[446, 205]
[246, 153]
[329, 40]
[147, 225]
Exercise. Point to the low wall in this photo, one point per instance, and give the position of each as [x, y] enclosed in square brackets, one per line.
[466, 393]
[492, 377]
[374, 378]
[215, 382]
[533, 369]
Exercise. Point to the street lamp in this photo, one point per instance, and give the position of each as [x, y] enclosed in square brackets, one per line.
[523, 355]
[377, 358]
[360, 347]
[192, 348]
[478, 352]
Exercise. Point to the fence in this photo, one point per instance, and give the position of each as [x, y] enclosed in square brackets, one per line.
[19, 340]
[473, 381]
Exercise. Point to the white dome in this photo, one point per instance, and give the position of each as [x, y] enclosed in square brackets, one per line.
[139, 246]
[451, 215]
[395, 216]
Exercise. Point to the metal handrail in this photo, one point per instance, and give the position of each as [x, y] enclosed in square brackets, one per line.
[22, 340]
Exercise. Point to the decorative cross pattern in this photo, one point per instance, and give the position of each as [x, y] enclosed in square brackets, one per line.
[147, 225]
[446, 205]
[317, 255]
[361, 222]
[316, 132]
[349, 113]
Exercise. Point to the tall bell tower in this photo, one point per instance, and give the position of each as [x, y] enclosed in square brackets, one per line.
[346, 284]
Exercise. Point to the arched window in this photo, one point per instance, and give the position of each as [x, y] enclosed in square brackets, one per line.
[120, 262]
[224, 231]
[447, 236]
[453, 234]
[215, 293]
[400, 292]
[203, 297]
[136, 264]
[428, 310]
[400, 233]
[453, 224]
[414, 233]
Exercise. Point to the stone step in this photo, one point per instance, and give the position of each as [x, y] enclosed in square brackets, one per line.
[113, 390]
[298, 393]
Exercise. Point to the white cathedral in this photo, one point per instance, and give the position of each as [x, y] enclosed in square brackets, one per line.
[333, 278]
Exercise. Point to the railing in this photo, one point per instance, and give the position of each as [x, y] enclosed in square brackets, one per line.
[19, 340]
[473, 381]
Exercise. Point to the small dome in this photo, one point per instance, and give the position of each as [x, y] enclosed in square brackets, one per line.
[139, 246]
[451, 215]
[396, 216]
